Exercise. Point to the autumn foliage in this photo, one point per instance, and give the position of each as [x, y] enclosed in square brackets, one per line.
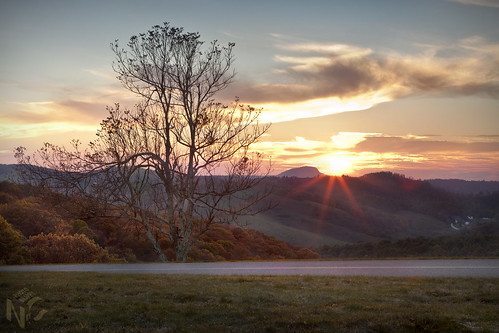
[12, 250]
[43, 227]
[223, 242]
[52, 248]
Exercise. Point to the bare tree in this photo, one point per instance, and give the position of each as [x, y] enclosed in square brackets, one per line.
[161, 163]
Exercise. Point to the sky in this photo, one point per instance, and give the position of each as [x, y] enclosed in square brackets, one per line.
[350, 87]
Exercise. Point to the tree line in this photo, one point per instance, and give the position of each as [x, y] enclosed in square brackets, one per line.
[482, 241]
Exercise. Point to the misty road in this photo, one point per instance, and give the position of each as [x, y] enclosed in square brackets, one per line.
[427, 268]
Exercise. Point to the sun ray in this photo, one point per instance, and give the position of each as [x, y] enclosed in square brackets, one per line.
[303, 187]
[325, 202]
[353, 202]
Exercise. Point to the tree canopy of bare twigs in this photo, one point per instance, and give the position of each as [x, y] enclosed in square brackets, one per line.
[178, 161]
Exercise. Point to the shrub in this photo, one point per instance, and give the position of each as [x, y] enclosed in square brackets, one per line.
[12, 250]
[31, 217]
[224, 242]
[78, 248]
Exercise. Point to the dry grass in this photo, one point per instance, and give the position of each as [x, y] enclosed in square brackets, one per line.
[91, 302]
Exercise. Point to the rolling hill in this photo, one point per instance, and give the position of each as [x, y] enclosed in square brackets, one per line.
[302, 172]
[8, 172]
[465, 186]
[374, 207]
[315, 209]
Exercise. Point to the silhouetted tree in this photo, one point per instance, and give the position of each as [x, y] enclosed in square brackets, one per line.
[157, 164]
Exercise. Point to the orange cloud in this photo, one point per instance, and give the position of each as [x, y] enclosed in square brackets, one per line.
[338, 77]
[41, 119]
[360, 153]
[411, 145]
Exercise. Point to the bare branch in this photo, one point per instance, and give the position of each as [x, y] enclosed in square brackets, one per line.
[160, 162]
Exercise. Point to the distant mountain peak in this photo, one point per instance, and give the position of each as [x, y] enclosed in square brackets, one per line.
[301, 172]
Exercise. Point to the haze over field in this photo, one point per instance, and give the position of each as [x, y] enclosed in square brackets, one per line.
[351, 87]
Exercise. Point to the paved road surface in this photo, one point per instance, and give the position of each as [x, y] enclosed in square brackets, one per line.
[429, 268]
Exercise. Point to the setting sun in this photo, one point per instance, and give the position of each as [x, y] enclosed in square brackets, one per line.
[337, 165]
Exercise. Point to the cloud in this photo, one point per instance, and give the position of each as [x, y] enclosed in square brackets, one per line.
[279, 112]
[43, 130]
[92, 112]
[59, 107]
[421, 145]
[336, 50]
[415, 156]
[485, 3]
[435, 166]
[55, 111]
[314, 71]
[41, 119]
[301, 151]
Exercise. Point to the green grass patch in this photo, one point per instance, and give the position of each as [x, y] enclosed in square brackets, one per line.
[94, 302]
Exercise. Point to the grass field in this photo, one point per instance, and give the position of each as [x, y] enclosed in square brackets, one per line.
[94, 302]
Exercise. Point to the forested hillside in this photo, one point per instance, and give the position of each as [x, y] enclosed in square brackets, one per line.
[44, 227]
[376, 215]
[465, 186]
[381, 206]
[480, 241]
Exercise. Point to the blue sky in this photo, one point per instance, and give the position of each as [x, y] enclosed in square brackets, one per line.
[350, 86]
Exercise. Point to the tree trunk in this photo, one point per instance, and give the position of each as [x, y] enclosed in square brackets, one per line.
[181, 250]
[157, 247]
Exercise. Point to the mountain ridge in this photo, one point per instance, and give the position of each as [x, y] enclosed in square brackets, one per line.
[8, 173]
[301, 172]
[379, 206]
[370, 208]
[465, 186]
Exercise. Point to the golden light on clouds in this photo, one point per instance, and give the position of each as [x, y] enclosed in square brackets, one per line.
[280, 112]
[47, 118]
[345, 140]
[355, 154]
[317, 79]
[332, 49]
[331, 157]
[41, 130]
[421, 102]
